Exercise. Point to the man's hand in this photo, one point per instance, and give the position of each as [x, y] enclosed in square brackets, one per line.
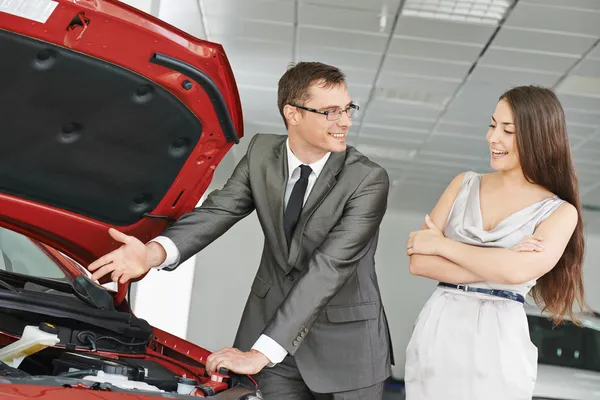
[127, 262]
[248, 363]
[529, 244]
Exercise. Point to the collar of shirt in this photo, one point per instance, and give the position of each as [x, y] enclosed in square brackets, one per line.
[294, 163]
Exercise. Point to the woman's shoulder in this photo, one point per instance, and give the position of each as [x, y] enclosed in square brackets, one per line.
[565, 209]
[464, 178]
[558, 210]
[461, 183]
[559, 214]
[445, 203]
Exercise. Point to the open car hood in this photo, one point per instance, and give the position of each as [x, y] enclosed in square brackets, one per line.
[108, 118]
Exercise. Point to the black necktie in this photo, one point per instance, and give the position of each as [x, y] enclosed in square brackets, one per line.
[294, 205]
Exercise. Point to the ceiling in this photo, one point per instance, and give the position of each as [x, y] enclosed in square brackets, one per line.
[426, 86]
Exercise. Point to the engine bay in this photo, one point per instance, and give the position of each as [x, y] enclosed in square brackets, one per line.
[147, 373]
[50, 335]
[123, 372]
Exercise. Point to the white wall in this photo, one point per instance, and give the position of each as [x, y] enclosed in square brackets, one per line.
[144, 5]
[591, 271]
[226, 269]
[163, 298]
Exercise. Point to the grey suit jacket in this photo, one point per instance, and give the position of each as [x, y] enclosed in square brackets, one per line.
[319, 298]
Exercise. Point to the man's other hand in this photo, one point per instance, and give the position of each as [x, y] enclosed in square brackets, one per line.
[247, 363]
[127, 262]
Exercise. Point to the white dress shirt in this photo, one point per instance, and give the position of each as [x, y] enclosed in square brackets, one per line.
[270, 348]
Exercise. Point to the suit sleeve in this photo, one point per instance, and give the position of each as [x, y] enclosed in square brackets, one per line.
[333, 262]
[219, 212]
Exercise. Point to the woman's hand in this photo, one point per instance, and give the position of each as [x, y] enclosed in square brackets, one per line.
[425, 242]
[529, 244]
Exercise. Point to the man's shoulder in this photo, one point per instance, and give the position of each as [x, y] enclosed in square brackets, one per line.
[266, 141]
[358, 162]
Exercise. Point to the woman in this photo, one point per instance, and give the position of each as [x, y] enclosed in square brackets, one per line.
[509, 230]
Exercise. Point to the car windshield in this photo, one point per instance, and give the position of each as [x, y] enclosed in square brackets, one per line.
[21, 255]
[566, 345]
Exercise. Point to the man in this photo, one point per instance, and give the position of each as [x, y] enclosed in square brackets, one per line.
[314, 316]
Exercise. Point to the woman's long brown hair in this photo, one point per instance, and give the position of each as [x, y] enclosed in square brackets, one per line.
[545, 157]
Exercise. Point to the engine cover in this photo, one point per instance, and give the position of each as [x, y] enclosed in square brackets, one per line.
[69, 361]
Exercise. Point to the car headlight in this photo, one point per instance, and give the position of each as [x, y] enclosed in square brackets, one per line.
[252, 396]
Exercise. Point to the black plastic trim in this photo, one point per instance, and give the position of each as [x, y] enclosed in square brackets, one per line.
[123, 323]
[21, 279]
[167, 217]
[208, 85]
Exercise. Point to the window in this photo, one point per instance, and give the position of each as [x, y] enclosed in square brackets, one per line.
[20, 254]
[566, 345]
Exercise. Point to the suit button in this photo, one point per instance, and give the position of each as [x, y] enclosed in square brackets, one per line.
[295, 343]
[302, 333]
[290, 278]
[299, 339]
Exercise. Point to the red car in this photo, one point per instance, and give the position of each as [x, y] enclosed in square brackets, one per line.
[108, 118]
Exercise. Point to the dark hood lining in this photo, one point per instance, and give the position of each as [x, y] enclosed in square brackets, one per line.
[85, 135]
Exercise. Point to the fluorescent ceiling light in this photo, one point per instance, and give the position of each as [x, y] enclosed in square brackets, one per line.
[578, 85]
[488, 12]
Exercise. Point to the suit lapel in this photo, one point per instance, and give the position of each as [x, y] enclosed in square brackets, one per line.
[276, 181]
[324, 183]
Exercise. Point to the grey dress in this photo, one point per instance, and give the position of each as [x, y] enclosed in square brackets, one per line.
[471, 346]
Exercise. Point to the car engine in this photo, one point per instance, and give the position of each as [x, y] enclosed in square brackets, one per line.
[58, 334]
[34, 357]
[57, 367]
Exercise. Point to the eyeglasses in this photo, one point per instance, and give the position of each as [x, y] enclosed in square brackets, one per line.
[333, 114]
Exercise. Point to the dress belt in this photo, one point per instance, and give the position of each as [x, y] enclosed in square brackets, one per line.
[494, 292]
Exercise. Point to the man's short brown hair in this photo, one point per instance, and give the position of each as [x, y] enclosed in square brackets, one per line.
[295, 83]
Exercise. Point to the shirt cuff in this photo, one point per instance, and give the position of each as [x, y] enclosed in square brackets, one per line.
[271, 349]
[173, 255]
